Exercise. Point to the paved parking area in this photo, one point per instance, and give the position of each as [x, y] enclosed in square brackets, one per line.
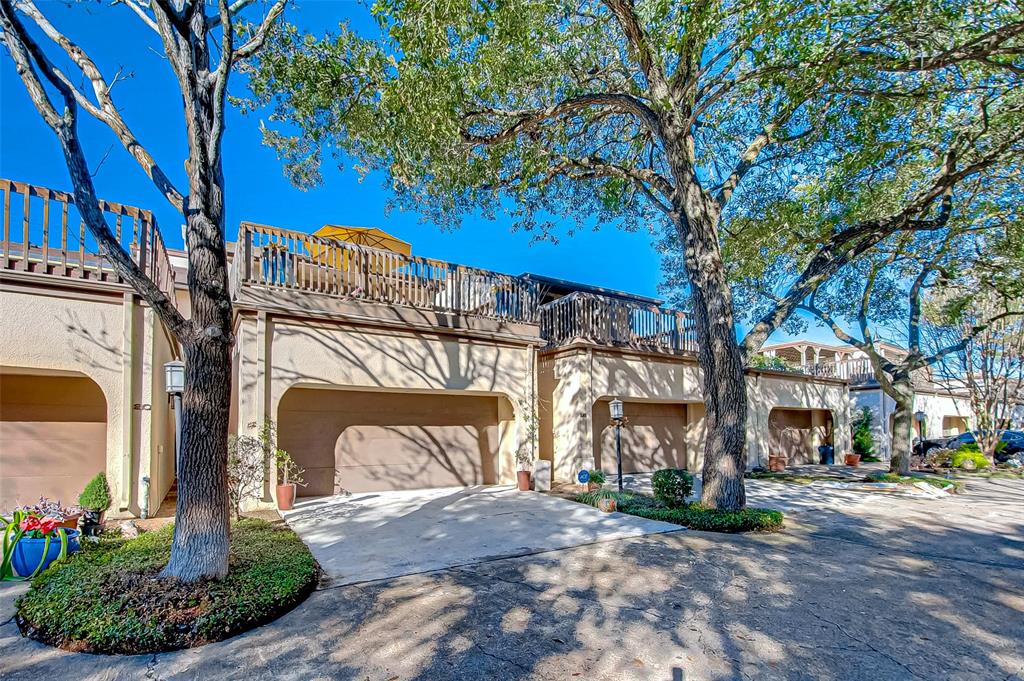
[909, 589]
[375, 535]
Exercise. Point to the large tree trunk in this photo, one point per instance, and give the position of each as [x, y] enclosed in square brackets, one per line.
[903, 426]
[720, 359]
[201, 531]
[201, 525]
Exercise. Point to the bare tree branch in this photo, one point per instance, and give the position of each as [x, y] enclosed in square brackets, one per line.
[531, 119]
[255, 43]
[106, 111]
[25, 51]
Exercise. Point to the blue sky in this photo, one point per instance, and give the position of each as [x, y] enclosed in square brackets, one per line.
[256, 189]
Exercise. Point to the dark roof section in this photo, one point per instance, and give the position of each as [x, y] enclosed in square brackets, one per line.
[560, 287]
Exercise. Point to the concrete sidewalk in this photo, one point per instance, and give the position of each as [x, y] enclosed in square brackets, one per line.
[375, 535]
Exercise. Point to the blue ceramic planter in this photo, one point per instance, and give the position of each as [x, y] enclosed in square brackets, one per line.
[28, 552]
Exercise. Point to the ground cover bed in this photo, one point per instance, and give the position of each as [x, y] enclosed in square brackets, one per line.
[108, 599]
[690, 515]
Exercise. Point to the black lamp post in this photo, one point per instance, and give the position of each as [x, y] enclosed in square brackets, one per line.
[615, 407]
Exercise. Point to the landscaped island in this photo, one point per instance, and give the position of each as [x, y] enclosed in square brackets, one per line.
[107, 599]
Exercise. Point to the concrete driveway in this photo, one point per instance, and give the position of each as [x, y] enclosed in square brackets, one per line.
[377, 535]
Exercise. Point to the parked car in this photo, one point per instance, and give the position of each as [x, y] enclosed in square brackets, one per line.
[1014, 440]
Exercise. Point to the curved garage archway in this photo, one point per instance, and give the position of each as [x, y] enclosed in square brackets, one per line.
[366, 441]
[657, 435]
[53, 436]
[797, 433]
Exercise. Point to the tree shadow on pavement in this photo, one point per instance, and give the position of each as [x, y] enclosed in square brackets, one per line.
[909, 590]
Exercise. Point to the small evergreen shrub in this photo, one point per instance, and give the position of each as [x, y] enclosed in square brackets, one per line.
[96, 495]
[672, 486]
[597, 476]
[863, 442]
[969, 457]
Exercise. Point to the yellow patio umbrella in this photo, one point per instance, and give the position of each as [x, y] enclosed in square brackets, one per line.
[370, 237]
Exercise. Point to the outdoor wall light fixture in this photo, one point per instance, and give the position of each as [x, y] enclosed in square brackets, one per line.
[174, 381]
[615, 407]
[174, 377]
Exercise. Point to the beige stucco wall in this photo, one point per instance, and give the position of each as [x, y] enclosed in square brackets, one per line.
[104, 334]
[275, 354]
[572, 381]
[767, 390]
[77, 333]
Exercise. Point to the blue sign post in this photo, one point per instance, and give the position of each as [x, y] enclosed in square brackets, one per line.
[583, 476]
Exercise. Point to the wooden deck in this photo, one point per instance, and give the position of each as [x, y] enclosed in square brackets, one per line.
[43, 234]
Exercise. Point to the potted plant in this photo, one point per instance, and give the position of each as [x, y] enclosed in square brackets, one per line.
[32, 542]
[523, 480]
[67, 516]
[597, 479]
[289, 477]
[94, 500]
[777, 463]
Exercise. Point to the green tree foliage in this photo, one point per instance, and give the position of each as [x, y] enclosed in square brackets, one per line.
[747, 131]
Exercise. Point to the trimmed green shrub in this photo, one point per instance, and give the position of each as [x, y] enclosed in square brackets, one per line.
[96, 495]
[969, 452]
[672, 486]
[863, 442]
[693, 516]
[107, 599]
[597, 476]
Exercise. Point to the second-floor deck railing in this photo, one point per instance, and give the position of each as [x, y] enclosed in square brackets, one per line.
[608, 321]
[285, 259]
[857, 370]
[43, 233]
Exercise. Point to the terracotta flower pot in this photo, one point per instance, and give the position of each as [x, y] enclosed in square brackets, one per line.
[286, 496]
[71, 522]
[523, 480]
[853, 460]
[777, 464]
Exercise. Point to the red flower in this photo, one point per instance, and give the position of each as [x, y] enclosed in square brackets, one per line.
[30, 523]
[48, 525]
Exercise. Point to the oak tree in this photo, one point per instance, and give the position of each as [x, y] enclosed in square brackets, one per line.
[678, 115]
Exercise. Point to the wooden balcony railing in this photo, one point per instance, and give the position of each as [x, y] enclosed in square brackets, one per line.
[855, 371]
[607, 321]
[284, 259]
[43, 233]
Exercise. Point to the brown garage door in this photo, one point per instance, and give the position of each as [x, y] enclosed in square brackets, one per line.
[372, 441]
[53, 437]
[654, 438]
[796, 433]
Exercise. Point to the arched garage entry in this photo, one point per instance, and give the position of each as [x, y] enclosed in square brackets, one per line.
[53, 436]
[366, 441]
[797, 433]
[657, 435]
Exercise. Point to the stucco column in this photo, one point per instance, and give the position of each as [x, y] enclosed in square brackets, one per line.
[123, 482]
[572, 407]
